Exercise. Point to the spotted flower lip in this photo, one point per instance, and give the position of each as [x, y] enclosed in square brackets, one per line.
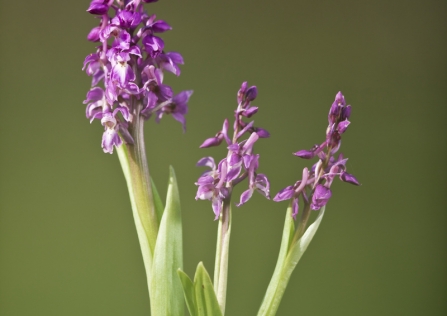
[127, 70]
[314, 187]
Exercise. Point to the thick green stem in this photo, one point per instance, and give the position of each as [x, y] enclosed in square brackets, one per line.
[222, 249]
[134, 164]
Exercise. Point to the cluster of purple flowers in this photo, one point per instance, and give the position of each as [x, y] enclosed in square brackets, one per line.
[131, 71]
[314, 187]
[216, 185]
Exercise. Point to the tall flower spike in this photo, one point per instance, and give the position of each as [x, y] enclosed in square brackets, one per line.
[314, 187]
[128, 66]
[240, 162]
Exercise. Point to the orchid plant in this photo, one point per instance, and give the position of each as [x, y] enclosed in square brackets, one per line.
[127, 89]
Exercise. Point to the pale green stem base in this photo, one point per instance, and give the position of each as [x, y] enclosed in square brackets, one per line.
[136, 172]
[222, 249]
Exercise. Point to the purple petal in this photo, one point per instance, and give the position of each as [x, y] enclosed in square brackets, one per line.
[234, 160]
[250, 111]
[154, 45]
[295, 208]
[206, 162]
[111, 93]
[225, 132]
[182, 98]
[151, 101]
[205, 192]
[180, 118]
[122, 41]
[175, 57]
[247, 160]
[210, 142]
[93, 110]
[217, 207]
[99, 7]
[340, 99]
[241, 92]
[205, 179]
[245, 196]
[110, 138]
[93, 35]
[306, 154]
[250, 142]
[134, 50]
[123, 73]
[247, 127]
[262, 133]
[284, 194]
[347, 177]
[233, 147]
[251, 93]
[160, 26]
[92, 58]
[320, 197]
[94, 94]
[343, 126]
[97, 77]
[124, 111]
[169, 62]
[346, 112]
[233, 173]
[333, 112]
[262, 185]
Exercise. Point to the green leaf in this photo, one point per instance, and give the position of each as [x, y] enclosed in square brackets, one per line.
[139, 200]
[158, 203]
[294, 255]
[166, 291]
[206, 300]
[297, 250]
[188, 291]
[287, 237]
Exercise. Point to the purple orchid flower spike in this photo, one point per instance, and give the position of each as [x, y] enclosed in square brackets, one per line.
[240, 162]
[314, 187]
[129, 64]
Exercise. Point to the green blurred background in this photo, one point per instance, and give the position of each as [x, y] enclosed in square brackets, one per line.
[68, 245]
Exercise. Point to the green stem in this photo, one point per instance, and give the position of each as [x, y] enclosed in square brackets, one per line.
[134, 164]
[222, 249]
[302, 224]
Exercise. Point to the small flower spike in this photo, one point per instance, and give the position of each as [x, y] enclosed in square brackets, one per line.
[314, 187]
[240, 163]
[129, 65]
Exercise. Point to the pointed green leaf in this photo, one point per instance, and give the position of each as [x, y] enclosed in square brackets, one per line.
[206, 300]
[294, 255]
[188, 291]
[157, 202]
[297, 250]
[166, 291]
[287, 237]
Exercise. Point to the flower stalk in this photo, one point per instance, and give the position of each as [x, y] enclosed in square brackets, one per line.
[136, 172]
[217, 184]
[127, 89]
[222, 252]
[314, 190]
